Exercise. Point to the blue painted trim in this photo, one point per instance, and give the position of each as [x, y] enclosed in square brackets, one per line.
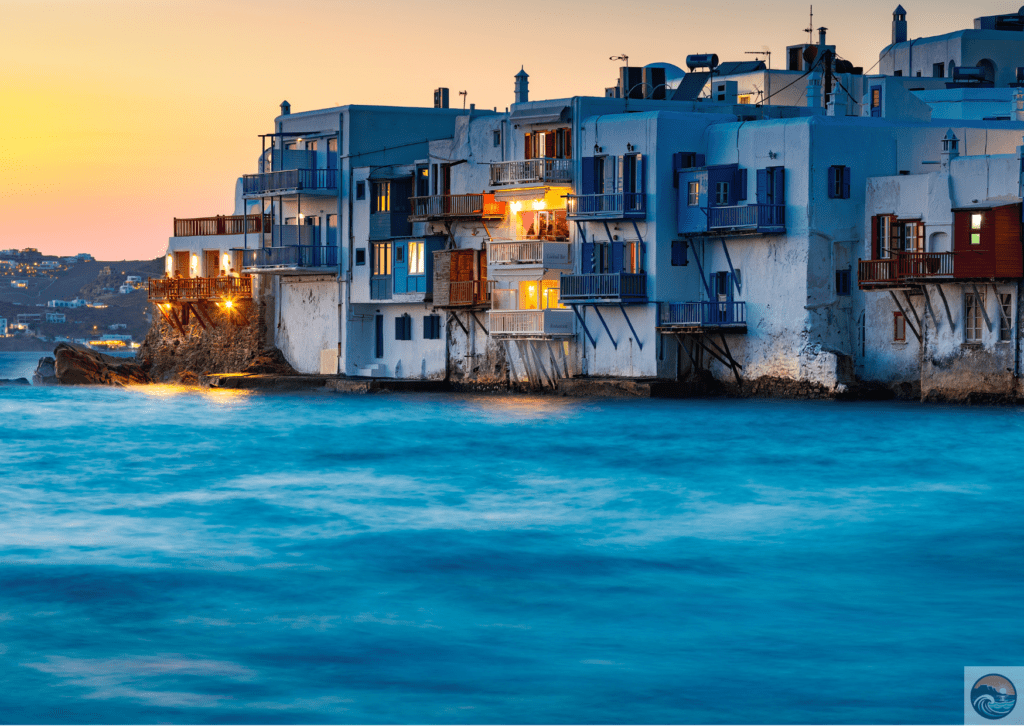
[601, 318]
[579, 228]
[584, 324]
[635, 336]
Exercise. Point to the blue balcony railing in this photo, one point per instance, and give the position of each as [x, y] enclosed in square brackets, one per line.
[290, 256]
[291, 180]
[623, 205]
[381, 287]
[616, 287]
[754, 217]
[703, 314]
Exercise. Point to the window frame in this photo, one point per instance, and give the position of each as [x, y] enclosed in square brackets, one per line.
[416, 259]
[379, 261]
[381, 197]
[693, 193]
[899, 327]
[1005, 301]
[973, 319]
[722, 189]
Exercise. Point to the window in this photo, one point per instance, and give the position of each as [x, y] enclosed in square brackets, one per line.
[422, 181]
[381, 197]
[403, 327]
[720, 281]
[553, 144]
[938, 70]
[381, 263]
[310, 146]
[976, 221]
[549, 292]
[361, 257]
[972, 316]
[599, 172]
[839, 182]
[360, 190]
[632, 173]
[1005, 319]
[431, 327]
[416, 260]
[679, 253]
[332, 145]
[693, 194]
[497, 138]
[721, 193]
[883, 237]
[899, 328]
[550, 225]
[400, 253]
[843, 282]
[876, 101]
[897, 73]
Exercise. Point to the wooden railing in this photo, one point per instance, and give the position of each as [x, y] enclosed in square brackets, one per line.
[905, 267]
[532, 171]
[615, 287]
[199, 288]
[515, 253]
[290, 180]
[622, 205]
[531, 322]
[877, 272]
[444, 206]
[465, 293]
[704, 314]
[290, 256]
[235, 224]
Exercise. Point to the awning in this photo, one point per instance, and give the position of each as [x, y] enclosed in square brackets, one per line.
[541, 114]
[519, 195]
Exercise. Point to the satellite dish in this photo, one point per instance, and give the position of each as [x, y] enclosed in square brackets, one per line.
[810, 53]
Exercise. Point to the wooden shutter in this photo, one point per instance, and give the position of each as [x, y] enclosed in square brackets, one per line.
[568, 143]
[762, 186]
[528, 146]
[779, 179]
[874, 237]
[639, 171]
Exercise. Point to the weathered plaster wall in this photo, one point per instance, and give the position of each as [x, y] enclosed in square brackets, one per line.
[307, 319]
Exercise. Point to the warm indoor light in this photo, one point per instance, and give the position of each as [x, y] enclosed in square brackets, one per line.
[540, 204]
[515, 207]
[227, 303]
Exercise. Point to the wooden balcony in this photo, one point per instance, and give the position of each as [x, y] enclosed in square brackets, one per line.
[730, 316]
[748, 219]
[220, 225]
[507, 255]
[464, 294]
[290, 181]
[904, 268]
[199, 289]
[615, 288]
[455, 206]
[531, 323]
[531, 171]
[623, 205]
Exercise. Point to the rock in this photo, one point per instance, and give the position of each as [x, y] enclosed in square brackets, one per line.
[272, 361]
[14, 382]
[80, 366]
[46, 374]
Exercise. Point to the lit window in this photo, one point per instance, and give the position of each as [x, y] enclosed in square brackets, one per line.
[381, 263]
[528, 299]
[416, 258]
[382, 197]
[549, 294]
[693, 195]
[976, 220]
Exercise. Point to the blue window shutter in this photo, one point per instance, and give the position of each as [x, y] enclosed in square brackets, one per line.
[679, 253]
[428, 328]
[699, 160]
[846, 182]
[779, 177]
[640, 173]
[620, 188]
[616, 261]
[586, 257]
[677, 161]
[762, 186]
[832, 182]
[587, 183]
[741, 185]
[399, 329]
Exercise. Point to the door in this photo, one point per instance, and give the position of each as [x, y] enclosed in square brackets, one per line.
[211, 263]
[379, 337]
[181, 264]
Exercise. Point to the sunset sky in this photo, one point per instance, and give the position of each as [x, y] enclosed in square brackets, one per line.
[119, 116]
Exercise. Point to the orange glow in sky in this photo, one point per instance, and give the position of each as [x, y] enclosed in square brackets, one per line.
[119, 116]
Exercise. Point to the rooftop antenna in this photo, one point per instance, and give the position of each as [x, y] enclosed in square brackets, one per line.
[810, 28]
[625, 92]
[463, 94]
[768, 96]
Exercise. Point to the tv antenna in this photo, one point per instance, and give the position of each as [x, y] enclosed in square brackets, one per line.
[810, 28]
[463, 94]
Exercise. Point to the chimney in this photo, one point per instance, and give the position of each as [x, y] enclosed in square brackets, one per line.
[286, 108]
[950, 149]
[899, 25]
[522, 86]
[821, 35]
[814, 90]
[441, 98]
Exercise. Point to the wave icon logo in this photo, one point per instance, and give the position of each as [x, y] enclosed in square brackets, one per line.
[993, 696]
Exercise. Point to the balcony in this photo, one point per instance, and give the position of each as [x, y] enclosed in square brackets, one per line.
[615, 288]
[292, 235]
[197, 289]
[703, 315]
[507, 255]
[531, 323]
[748, 219]
[624, 205]
[904, 268]
[464, 294]
[316, 181]
[222, 225]
[531, 171]
[456, 206]
[293, 258]
[382, 287]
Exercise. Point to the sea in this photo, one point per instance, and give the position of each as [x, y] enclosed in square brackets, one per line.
[171, 554]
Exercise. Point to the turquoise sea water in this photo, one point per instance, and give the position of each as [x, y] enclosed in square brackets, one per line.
[186, 556]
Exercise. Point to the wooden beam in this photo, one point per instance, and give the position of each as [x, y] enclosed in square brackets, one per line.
[949, 315]
[455, 315]
[195, 311]
[735, 369]
[984, 312]
[513, 375]
[906, 318]
[910, 305]
[177, 323]
[928, 306]
[478, 322]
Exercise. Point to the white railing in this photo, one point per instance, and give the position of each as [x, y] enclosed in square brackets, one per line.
[532, 171]
[515, 253]
[531, 322]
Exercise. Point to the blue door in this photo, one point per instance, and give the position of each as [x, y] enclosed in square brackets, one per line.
[380, 336]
